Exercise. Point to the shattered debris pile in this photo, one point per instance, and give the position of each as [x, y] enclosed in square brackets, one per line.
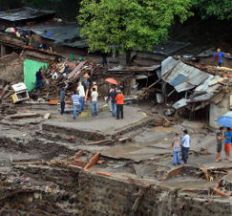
[66, 74]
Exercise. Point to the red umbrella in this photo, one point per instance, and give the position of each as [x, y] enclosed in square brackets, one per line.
[112, 81]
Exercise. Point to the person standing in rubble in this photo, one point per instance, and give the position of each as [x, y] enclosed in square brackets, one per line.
[76, 104]
[104, 59]
[94, 85]
[86, 84]
[111, 99]
[119, 99]
[227, 143]
[81, 90]
[62, 100]
[94, 102]
[39, 79]
[176, 150]
[218, 57]
[185, 145]
[220, 139]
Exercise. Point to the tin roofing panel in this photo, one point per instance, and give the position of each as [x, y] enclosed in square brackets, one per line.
[167, 65]
[180, 104]
[23, 14]
[197, 77]
[184, 87]
[180, 78]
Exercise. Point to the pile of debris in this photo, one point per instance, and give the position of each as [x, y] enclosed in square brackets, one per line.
[66, 74]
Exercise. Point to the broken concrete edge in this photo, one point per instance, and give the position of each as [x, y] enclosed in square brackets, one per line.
[84, 134]
[23, 115]
[142, 123]
[126, 181]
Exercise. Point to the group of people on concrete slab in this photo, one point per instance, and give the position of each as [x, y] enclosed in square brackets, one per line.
[223, 137]
[180, 145]
[116, 100]
[86, 90]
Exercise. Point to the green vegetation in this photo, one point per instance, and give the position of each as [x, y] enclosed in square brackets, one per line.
[129, 24]
[222, 9]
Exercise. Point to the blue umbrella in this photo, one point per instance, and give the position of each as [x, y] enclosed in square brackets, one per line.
[225, 120]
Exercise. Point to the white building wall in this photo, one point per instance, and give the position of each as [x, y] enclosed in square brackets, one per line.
[216, 110]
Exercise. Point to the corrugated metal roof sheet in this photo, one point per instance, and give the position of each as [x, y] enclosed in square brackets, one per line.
[180, 103]
[184, 87]
[200, 98]
[180, 78]
[23, 14]
[67, 34]
[198, 77]
[170, 47]
[167, 65]
[177, 73]
[58, 32]
[205, 85]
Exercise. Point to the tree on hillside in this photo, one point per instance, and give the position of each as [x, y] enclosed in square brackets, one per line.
[221, 9]
[129, 24]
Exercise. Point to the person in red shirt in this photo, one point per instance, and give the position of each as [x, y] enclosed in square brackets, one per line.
[119, 99]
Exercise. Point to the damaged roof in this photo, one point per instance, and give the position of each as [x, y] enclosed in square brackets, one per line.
[67, 34]
[24, 14]
[170, 47]
[180, 75]
[134, 69]
[184, 77]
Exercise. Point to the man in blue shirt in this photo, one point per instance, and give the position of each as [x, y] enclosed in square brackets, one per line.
[76, 104]
[218, 56]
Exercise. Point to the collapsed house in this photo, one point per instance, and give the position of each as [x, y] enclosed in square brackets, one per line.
[196, 92]
[36, 38]
[27, 28]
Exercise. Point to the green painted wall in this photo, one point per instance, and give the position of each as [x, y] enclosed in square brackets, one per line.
[30, 67]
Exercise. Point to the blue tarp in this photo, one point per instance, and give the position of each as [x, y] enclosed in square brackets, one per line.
[225, 120]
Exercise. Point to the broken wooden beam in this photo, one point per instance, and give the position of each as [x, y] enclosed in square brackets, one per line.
[92, 161]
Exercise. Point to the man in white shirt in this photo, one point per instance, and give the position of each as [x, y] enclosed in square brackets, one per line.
[94, 99]
[185, 145]
[81, 90]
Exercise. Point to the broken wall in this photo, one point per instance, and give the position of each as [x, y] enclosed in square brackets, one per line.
[30, 69]
[122, 195]
[217, 110]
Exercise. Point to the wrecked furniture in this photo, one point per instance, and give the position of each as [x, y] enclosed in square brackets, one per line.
[20, 92]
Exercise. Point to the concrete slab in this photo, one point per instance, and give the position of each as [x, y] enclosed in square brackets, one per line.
[103, 123]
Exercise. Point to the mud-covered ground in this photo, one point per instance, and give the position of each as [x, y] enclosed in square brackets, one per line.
[41, 159]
